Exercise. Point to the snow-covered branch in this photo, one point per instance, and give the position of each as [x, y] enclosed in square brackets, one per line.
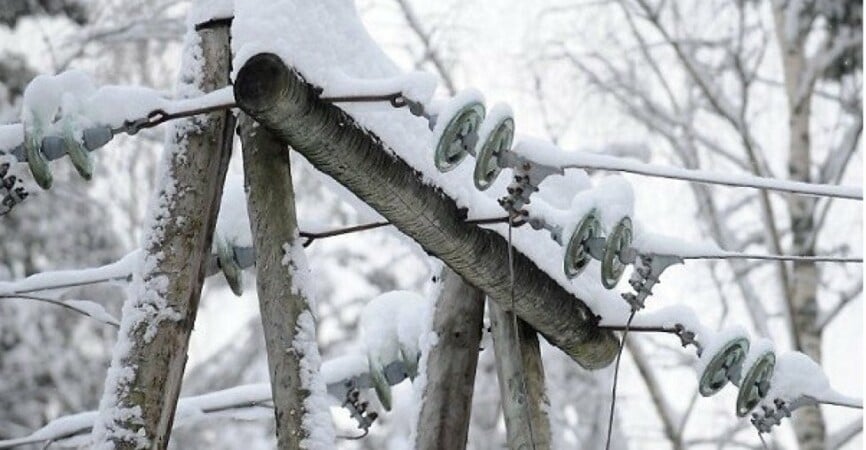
[244, 402]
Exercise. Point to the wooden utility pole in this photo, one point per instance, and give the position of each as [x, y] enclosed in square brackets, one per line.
[271, 206]
[144, 380]
[446, 404]
[521, 381]
[281, 101]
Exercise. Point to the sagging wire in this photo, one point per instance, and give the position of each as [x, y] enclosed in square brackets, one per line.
[516, 330]
[616, 379]
[37, 153]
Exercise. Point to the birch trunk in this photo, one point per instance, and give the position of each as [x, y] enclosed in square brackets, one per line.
[279, 99]
[447, 400]
[809, 425]
[143, 382]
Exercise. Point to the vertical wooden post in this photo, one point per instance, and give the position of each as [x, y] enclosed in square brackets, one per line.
[521, 381]
[447, 400]
[283, 297]
[143, 382]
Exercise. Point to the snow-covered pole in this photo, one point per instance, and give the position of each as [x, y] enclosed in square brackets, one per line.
[278, 98]
[446, 402]
[143, 382]
[286, 311]
[521, 380]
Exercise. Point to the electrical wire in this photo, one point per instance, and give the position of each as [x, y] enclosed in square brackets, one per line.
[616, 379]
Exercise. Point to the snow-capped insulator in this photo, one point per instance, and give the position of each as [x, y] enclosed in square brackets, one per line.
[577, 255]
[725, 366]
[78, 154]
[36, 159]
[490, 148]
[229, 266]
[756, 382]
[459, 135]
[613, 262]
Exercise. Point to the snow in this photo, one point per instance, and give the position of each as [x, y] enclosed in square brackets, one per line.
[205, 11]
[237, 403]
[343, 368]
[426, 339]
[92, 309]
[316, 420]
[417, 86]
[330, 36]
[147, 305]
[713, 342]
[448, 109]
[394, 322]
[295, 261]
[757, 348]
[233, 222]
[63, 278]
[796, 376]
[11, 136]
[550, 155]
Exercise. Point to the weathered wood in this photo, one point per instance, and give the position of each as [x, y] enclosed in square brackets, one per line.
[271, 206]
[147, 366]
[521, 381]
[446, 404]
[278, 98]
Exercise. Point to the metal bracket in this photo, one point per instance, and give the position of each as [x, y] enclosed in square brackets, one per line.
[647, 270]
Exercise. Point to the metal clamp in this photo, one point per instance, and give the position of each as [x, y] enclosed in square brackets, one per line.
[647, 270]
[10, 194]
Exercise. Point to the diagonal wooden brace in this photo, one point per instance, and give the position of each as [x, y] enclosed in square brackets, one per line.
[277, 97]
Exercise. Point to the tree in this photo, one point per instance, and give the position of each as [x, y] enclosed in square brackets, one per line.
[729, 74]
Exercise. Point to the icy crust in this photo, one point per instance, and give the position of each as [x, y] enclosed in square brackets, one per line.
[147, 305]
